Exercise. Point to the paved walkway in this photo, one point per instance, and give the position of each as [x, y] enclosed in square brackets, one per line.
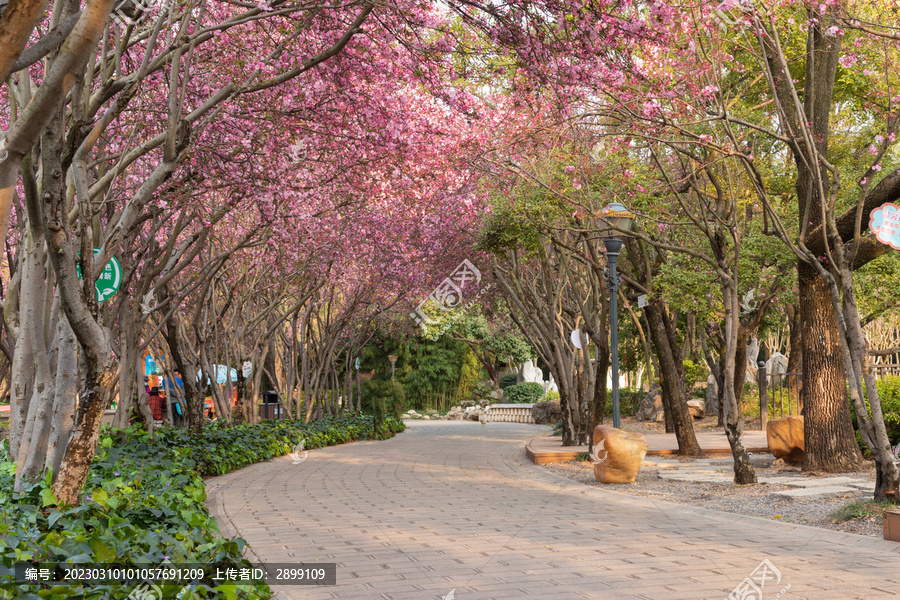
[452, 506]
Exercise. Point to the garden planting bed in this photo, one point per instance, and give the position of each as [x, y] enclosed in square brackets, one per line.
[143, 505]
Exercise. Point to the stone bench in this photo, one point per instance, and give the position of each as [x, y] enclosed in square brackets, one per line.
[510, 413]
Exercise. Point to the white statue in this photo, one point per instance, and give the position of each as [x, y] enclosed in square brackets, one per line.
[530, 373]
[550, 386]
[752, 353]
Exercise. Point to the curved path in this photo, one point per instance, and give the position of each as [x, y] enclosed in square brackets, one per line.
[455, 506]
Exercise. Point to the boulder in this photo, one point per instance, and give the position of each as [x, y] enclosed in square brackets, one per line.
[472, 413]
[777, 363]
[712, 395]
[651, 402]
[659, 416]
[617, 454]
[785, 439]
[697, 408]
[546, 413]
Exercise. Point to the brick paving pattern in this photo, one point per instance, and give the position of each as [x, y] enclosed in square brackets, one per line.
[451, 505]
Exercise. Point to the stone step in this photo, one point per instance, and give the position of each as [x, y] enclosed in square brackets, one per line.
[823, 481]
[811, 492]
[867, 486]
[698, 477]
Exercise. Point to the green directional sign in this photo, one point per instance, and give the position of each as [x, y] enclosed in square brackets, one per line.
[109, 279]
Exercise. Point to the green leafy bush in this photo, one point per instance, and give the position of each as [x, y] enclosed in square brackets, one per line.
[557, 428]
[889, 395]
[552, 395]
[693, 373]
[508, 381]
[629, 401]
[524, 393]
[143, 504]
[482, 390]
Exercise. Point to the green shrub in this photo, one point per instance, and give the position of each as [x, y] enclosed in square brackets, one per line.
[143, 504]
[482, 390]
[508, 381]
[525, 393]
[629, 401]
[889, 395]
[693, 373]
[552, 395]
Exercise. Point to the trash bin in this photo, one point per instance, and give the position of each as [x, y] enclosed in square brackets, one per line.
[270, 408]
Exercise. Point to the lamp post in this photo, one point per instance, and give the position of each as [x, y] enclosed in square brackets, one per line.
[616, 218]
[393, 359]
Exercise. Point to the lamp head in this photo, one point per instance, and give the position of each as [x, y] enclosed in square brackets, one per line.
[616, 217]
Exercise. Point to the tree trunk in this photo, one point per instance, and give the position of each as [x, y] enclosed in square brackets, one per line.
[36, 433]
[667, 402]
[672, 383]
[740, 362]
[715, 369]
[63, 420]
[99, 380]
[192, 397]
[734, 422]
[871, 422]
[22, 377]
[828, 433]
[238, 414]
[598, 405]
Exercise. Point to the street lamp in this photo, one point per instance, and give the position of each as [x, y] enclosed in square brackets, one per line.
[616, 219]
[393, 359]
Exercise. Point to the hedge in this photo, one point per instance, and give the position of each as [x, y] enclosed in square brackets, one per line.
[143, 504]
[508, 381]
[524, 393]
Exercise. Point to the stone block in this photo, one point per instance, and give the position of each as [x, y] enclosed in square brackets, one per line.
[617, 454]
[785, 438]
[697, 408]
[650, 403]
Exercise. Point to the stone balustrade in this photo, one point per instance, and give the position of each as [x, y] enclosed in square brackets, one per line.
[510, 413]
